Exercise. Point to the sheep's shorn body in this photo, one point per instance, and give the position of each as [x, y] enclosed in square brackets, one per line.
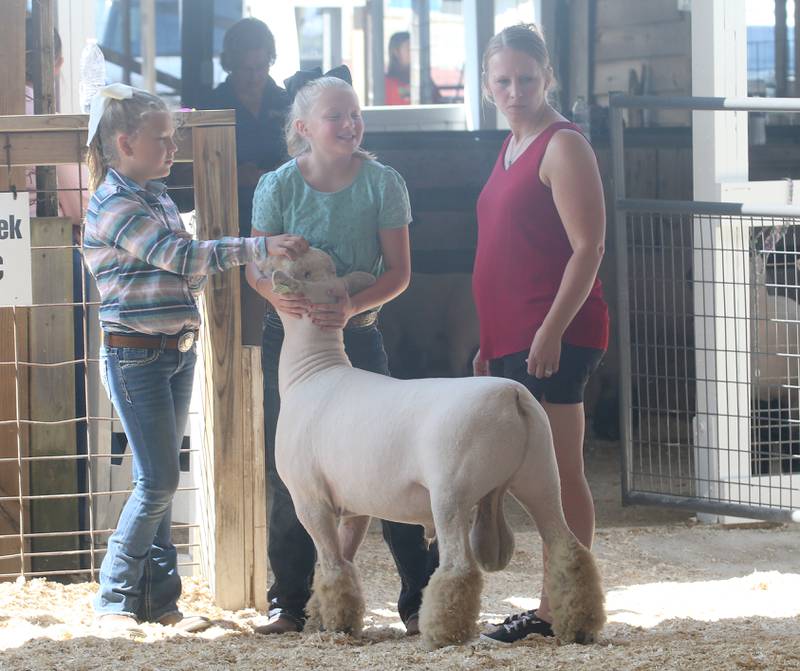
[352, 445]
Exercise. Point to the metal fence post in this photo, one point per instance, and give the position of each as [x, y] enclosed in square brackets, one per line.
[623, 298]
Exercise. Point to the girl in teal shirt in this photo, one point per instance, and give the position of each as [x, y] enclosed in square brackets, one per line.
[336, 196]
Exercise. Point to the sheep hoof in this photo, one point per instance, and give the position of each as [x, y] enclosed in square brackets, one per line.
[450, 607]
[576, 593]
[313, 617]
[339, 600]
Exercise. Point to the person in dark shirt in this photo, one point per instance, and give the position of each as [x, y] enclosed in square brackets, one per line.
[248, 52]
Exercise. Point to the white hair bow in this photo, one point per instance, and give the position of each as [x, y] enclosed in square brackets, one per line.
[100, 102]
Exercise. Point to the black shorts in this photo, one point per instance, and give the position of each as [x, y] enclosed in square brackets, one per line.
[568, 383]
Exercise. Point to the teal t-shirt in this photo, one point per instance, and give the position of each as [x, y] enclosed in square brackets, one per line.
[345, 223]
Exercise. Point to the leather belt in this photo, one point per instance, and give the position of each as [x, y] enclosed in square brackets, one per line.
[363, 320]
[182, 342]
[358, 321]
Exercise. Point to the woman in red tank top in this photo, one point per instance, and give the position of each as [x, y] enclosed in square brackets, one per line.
[541, 227]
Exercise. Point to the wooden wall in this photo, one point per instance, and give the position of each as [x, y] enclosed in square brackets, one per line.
[643, 47]
[431, 329]
[633, 46]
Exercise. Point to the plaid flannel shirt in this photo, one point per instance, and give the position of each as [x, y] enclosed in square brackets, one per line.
[148, 269]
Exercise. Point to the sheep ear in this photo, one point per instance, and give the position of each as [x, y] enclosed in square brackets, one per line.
[284, 284]
[358, 281]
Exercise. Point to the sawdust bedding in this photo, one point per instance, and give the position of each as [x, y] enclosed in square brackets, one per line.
[666, 611]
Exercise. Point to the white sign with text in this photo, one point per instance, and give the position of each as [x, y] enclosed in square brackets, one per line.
[15, 250]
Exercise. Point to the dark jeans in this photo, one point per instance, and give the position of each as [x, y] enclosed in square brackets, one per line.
[291, 551]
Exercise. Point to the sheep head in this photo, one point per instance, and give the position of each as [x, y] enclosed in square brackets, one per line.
[314, 274]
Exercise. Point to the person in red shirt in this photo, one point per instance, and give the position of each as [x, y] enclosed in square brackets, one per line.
[541, 227]
[398, 76]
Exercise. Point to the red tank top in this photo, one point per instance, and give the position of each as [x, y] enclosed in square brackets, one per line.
[523, 250]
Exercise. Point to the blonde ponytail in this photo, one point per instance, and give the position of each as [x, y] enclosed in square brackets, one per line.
[120, 116]
[96, 164]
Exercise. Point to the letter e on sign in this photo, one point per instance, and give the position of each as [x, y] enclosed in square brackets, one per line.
[15, 250]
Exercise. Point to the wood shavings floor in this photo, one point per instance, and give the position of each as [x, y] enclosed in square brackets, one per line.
[679, 595]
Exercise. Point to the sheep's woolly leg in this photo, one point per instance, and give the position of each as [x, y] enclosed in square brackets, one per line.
[337, 598]
[571, 576]
[451, 601]
[576, 593]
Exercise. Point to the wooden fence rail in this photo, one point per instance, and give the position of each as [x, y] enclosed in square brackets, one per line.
[233, 491]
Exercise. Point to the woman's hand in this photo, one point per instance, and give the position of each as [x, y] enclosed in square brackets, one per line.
[290, 246]
[332, 316]
[295, 305]
[480, 366]
[545, 354]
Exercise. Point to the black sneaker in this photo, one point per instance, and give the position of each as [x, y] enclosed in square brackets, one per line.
[517, 627]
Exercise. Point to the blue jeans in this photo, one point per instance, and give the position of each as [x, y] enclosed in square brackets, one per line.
[291, 551]
[151, 390]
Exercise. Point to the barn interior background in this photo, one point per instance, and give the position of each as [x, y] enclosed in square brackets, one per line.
[700, 398]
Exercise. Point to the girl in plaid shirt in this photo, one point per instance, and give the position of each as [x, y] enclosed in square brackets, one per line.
[149, 272]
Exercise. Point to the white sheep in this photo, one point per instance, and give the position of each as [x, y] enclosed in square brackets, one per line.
[351, 445]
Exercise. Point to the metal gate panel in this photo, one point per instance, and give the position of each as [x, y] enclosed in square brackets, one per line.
[709, 336]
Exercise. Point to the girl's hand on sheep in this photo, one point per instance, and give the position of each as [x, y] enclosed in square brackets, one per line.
[287, 245]
[296, 305]
[479, 365]
[545, 354]
[332, 316]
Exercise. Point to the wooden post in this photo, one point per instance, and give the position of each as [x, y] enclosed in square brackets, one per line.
[12, 101]
[223, 464]
[255, 486]
[52, 394]
[44, 96]
[12, 78]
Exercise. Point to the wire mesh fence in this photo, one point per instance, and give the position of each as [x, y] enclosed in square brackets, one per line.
[709, 337]
[714, 348]
[714, 326]
[65, 469]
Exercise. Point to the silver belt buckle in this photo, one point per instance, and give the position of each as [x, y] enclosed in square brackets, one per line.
[185, 341]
